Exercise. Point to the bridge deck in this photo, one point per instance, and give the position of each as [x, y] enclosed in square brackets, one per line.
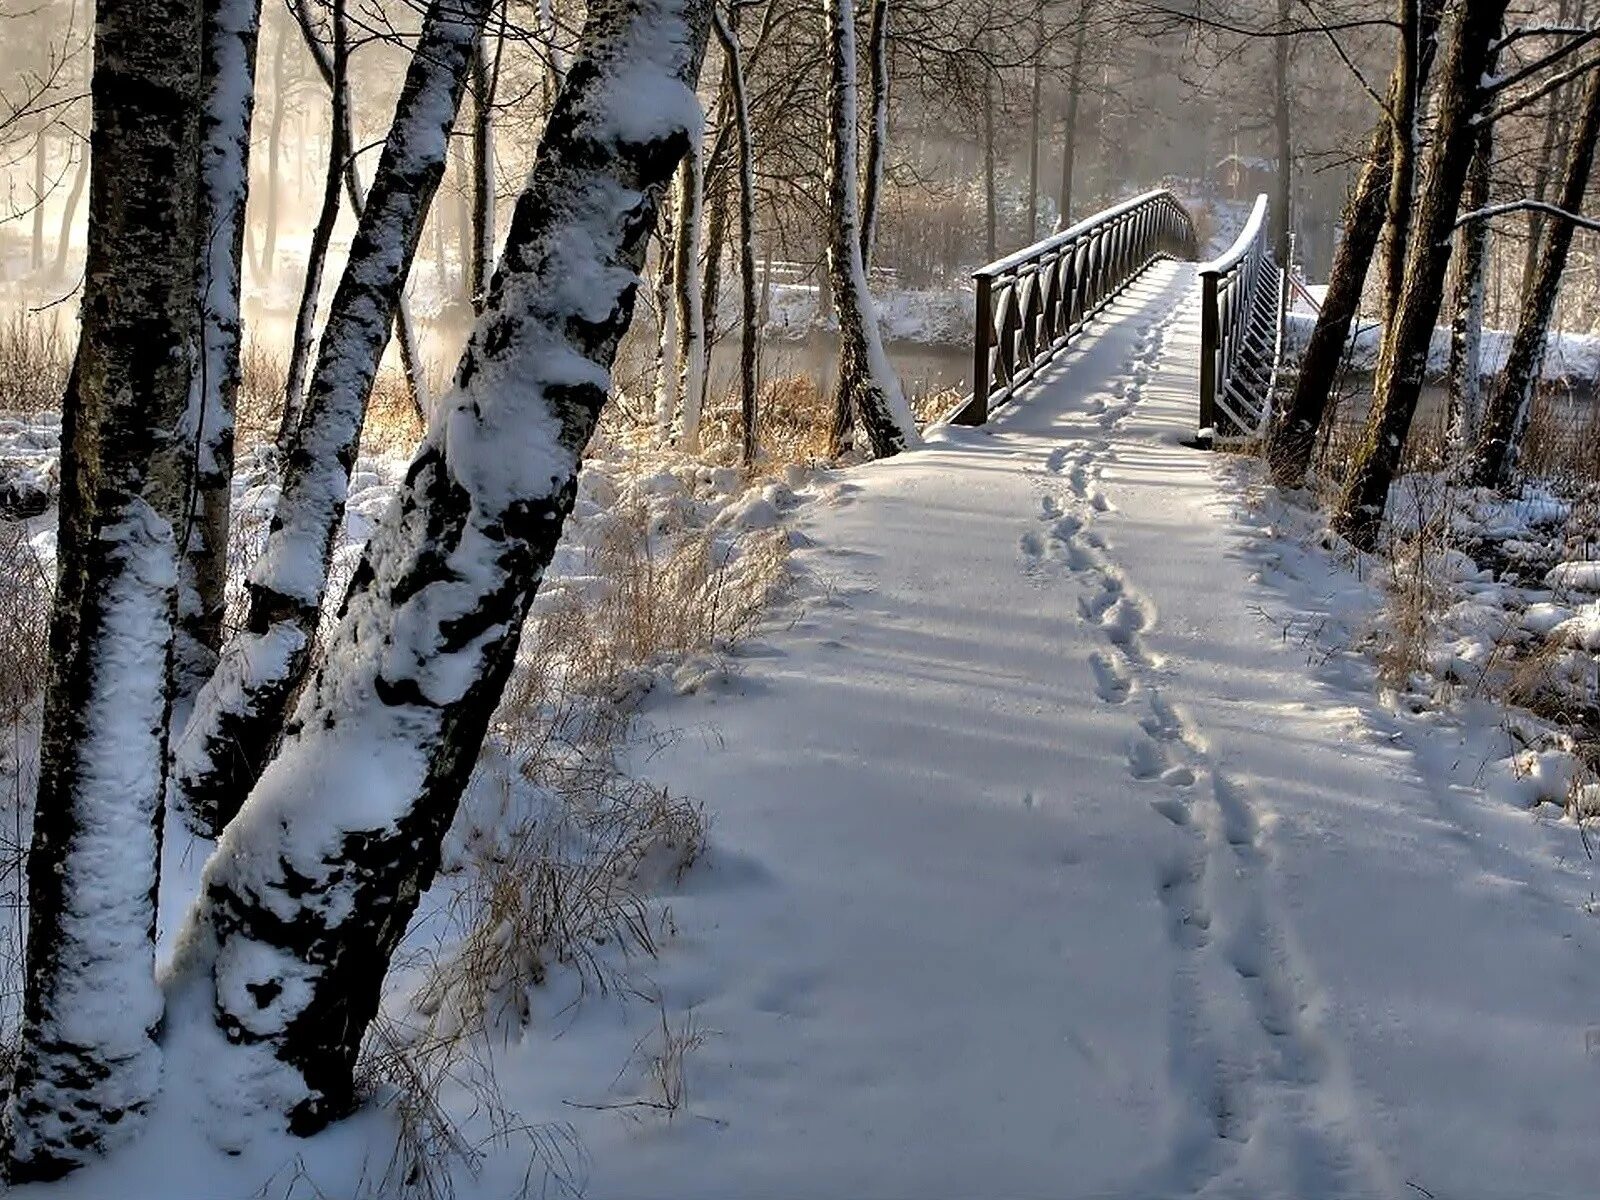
[1044, 865]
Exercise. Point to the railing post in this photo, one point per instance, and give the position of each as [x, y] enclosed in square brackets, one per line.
[1210, 341]
[976, 410]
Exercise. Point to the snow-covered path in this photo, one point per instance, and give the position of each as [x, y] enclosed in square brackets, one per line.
[1045, 864]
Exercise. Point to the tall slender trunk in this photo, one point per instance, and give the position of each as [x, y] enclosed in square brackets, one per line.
[990, 200]
[1506, 413]
[240, 711]
[87, 1065]
[482, 175]
[312, 886]
[280, 87]
[1403, 160]
[1034, 105]
[1404, 358]
[41, 173]
[868, 389]
[877, 129]
[749, 332]
[666, 369]
[1466, 324]
[227, 101]
[1544, 169]
[1283, 97]
[686, 247]
[340, 148]
[1293, 436]
[1069, 142]
[69, 212]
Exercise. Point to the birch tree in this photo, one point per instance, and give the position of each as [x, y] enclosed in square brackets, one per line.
[227, 101]
[87, 1065]
[749, 330]
[311, 887]
[240, 711]
[868, 390]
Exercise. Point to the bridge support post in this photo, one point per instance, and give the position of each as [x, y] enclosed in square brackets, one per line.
[1210, 346]
[976, 410]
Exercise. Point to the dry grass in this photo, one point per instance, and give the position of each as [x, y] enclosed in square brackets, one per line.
[1418, 590]
[35, 360]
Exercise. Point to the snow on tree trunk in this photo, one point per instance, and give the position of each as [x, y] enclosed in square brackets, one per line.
[666, 371]
[227, 100]
[87, 1065]
[1402, 159]
[1404, 358]
[483, 88]
[239, 713]
[1507, 411]
[750, 330]
[690, 310]
[878, 130]
[1466, 325]
[869, 391]
[340, 146]
[1293, 436]
[312, 885]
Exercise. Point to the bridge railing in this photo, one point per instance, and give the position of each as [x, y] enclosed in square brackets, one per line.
[1241, 334]
[1031, 303]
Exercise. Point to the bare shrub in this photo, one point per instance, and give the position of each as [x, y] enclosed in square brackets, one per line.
[392, 425]
[258, 406]
[663, 1056]
[1418, 588]
[35, 360]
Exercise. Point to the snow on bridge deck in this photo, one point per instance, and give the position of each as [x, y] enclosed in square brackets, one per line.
[1043, 865]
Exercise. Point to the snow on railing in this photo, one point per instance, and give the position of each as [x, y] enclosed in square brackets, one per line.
[1241, 334]
[1031, 303]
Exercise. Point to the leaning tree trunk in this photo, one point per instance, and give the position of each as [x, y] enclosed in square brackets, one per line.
[867, 386]
[312, 886]
[340, 149]
[227, 100]
[239, 713]
[749, 330]
[1069, 147]
[1507, 409]
[1293, 437]
[1403, 160]
[87, 1065]
[483, 81]
[404, 328]
[1404, 359]
[1466, 324]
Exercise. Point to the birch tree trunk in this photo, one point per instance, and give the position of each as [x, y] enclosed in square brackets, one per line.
[877, 130]
[239, 713]
[69, 212]
[312, 886]
[666, 370]
[1293, 436]
[750, 331]
[868, 389]
[227, 100]
[340, 146]
[1403, 160]
[1507, 410]
[1466, 325]
[483, 89]
[1404, 358]
[688, 299]
[87, 1065]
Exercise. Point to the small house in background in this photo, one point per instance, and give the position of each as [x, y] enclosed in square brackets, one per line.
[1241, 177]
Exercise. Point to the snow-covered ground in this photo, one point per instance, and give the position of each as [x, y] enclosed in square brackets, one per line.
[1061, 844]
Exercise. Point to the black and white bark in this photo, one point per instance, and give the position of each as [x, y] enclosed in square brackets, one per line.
[1466, 322]
[340, 154]
[877, 129]
[1506, 413]
[749, 329]
[666, 369]
[868, 390]
[1402, 156]
[240, 711]
[485, 78]
[87, 1064]
[689, 296]
[1293, 436]
[1403, 360]
[312, 885]
[227, 101]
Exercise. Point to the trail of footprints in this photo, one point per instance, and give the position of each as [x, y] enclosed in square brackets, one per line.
[1240, 1023]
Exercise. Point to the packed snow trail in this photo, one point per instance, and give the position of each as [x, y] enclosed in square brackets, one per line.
[1044, 864]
